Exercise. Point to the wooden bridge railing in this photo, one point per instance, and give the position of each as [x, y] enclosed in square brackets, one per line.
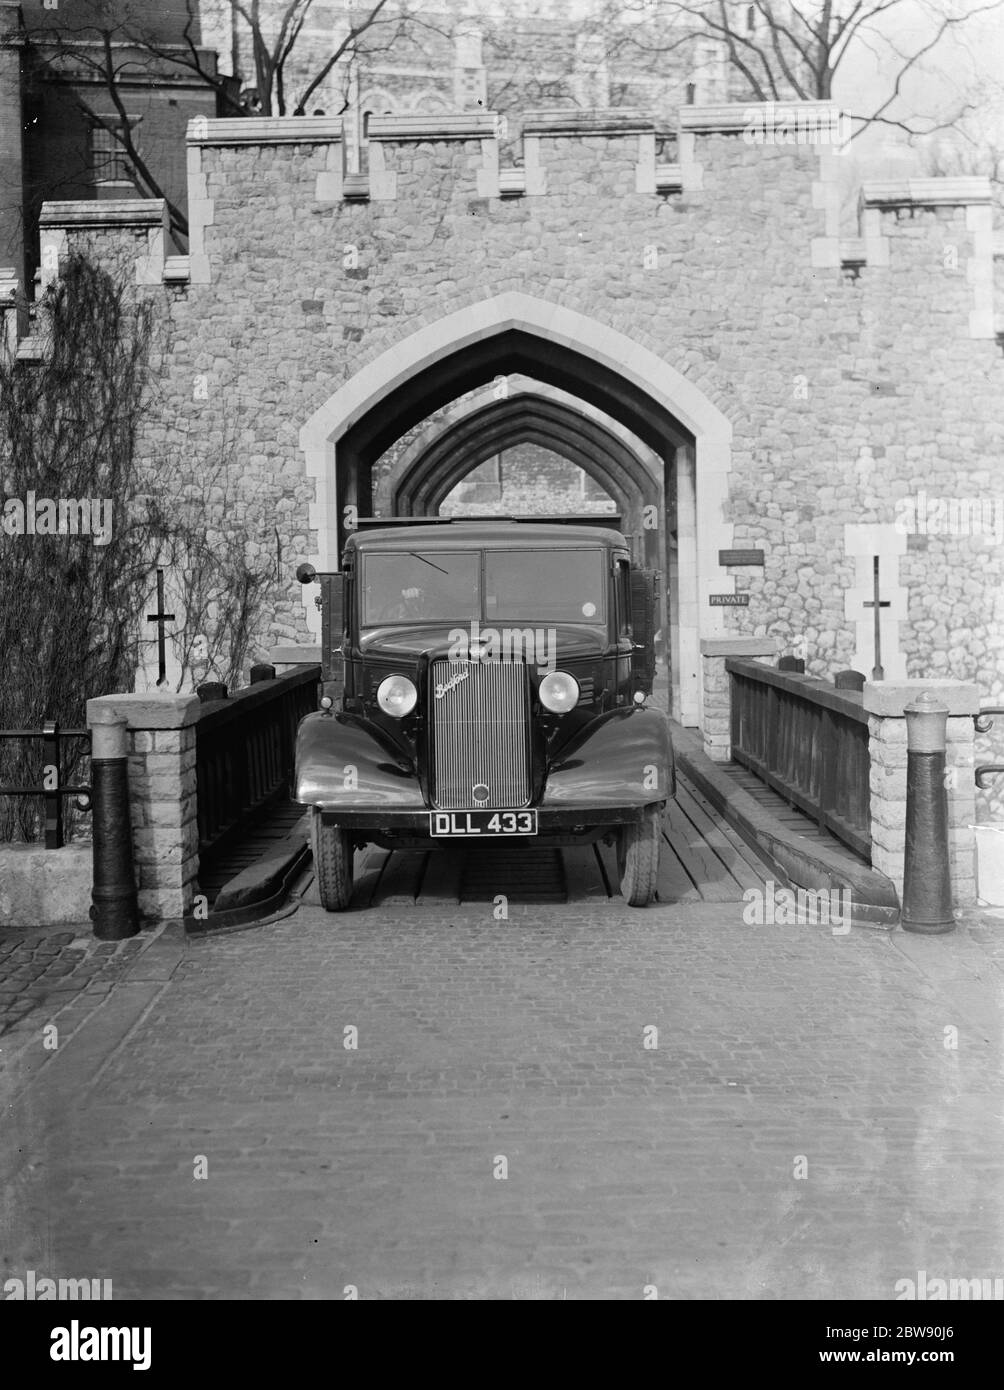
[244, 754]
[809, 742]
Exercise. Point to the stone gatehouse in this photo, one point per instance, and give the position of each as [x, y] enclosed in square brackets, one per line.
[699, 337]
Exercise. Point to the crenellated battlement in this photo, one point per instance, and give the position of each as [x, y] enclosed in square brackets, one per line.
[623, 170]
[520, 170]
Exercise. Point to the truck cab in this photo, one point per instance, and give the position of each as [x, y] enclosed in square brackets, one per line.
[485, 679]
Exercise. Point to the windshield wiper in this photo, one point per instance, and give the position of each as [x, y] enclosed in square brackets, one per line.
[415, 555]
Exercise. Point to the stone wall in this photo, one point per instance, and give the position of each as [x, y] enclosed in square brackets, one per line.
[846, 376]
[528, 481]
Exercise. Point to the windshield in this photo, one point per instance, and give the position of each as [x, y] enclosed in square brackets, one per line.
[416, 586]
[545, 586]
[527, 586]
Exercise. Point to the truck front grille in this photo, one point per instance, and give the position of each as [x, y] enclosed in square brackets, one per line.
[480, 734]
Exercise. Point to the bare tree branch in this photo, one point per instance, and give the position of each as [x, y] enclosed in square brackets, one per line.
[947, 23]
[122, 131]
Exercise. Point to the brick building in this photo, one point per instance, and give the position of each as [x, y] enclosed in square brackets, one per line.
[52, 90]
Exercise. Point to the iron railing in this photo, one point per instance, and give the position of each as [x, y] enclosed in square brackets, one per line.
[984, 723]
[52, 789]
[244, 755]
[809, 742]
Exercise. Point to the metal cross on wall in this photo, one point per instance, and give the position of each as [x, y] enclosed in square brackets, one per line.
[877, 604]
[160, 618]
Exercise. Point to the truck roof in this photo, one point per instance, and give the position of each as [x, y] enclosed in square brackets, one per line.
[461, 534]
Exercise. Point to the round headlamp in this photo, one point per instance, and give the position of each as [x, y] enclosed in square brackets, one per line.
[559, 692]
[397, 696]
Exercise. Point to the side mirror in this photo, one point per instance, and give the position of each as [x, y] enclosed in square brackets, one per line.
[306, 573]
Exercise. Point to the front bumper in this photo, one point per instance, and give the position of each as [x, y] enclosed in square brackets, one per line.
[409, 829]
[549, 819]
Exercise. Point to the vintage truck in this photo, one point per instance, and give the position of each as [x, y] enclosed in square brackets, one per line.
[485, 679]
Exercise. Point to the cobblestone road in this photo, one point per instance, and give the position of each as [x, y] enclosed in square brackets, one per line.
[804, 1128]
[45, 970]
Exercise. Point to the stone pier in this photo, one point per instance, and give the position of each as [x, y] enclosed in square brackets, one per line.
[885, 702]
[162, 797]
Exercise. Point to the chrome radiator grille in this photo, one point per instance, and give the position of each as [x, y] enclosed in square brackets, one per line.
[480, 734]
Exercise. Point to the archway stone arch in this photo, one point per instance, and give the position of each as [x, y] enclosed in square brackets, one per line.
[513, 331]
[515, 386]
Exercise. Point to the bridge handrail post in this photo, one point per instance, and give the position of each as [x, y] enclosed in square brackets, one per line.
[716, 688]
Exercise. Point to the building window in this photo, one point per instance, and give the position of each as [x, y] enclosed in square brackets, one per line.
[109, 161]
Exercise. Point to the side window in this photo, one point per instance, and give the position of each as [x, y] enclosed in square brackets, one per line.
[623, 588]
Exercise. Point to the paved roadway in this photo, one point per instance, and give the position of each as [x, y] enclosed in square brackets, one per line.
[801, 1129]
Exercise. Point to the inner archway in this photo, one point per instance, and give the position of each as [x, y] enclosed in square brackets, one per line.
[528, 418]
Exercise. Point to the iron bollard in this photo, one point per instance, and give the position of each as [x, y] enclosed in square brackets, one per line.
[114, 903]
[927, 880]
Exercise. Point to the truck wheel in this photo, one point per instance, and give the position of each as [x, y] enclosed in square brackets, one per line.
[638, 857]
[332, 863]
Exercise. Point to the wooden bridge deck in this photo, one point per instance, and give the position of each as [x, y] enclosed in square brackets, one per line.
[266, 835]
[703, 860]
[794, 820]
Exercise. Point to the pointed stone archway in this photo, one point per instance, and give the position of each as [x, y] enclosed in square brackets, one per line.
[517, 333]
[425, 480]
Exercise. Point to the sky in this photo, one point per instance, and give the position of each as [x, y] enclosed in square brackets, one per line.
[966, 68]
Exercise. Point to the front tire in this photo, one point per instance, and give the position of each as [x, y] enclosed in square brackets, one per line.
[638, 848]
[332, 849]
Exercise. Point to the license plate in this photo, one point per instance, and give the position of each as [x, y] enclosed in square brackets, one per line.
[457, 824]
